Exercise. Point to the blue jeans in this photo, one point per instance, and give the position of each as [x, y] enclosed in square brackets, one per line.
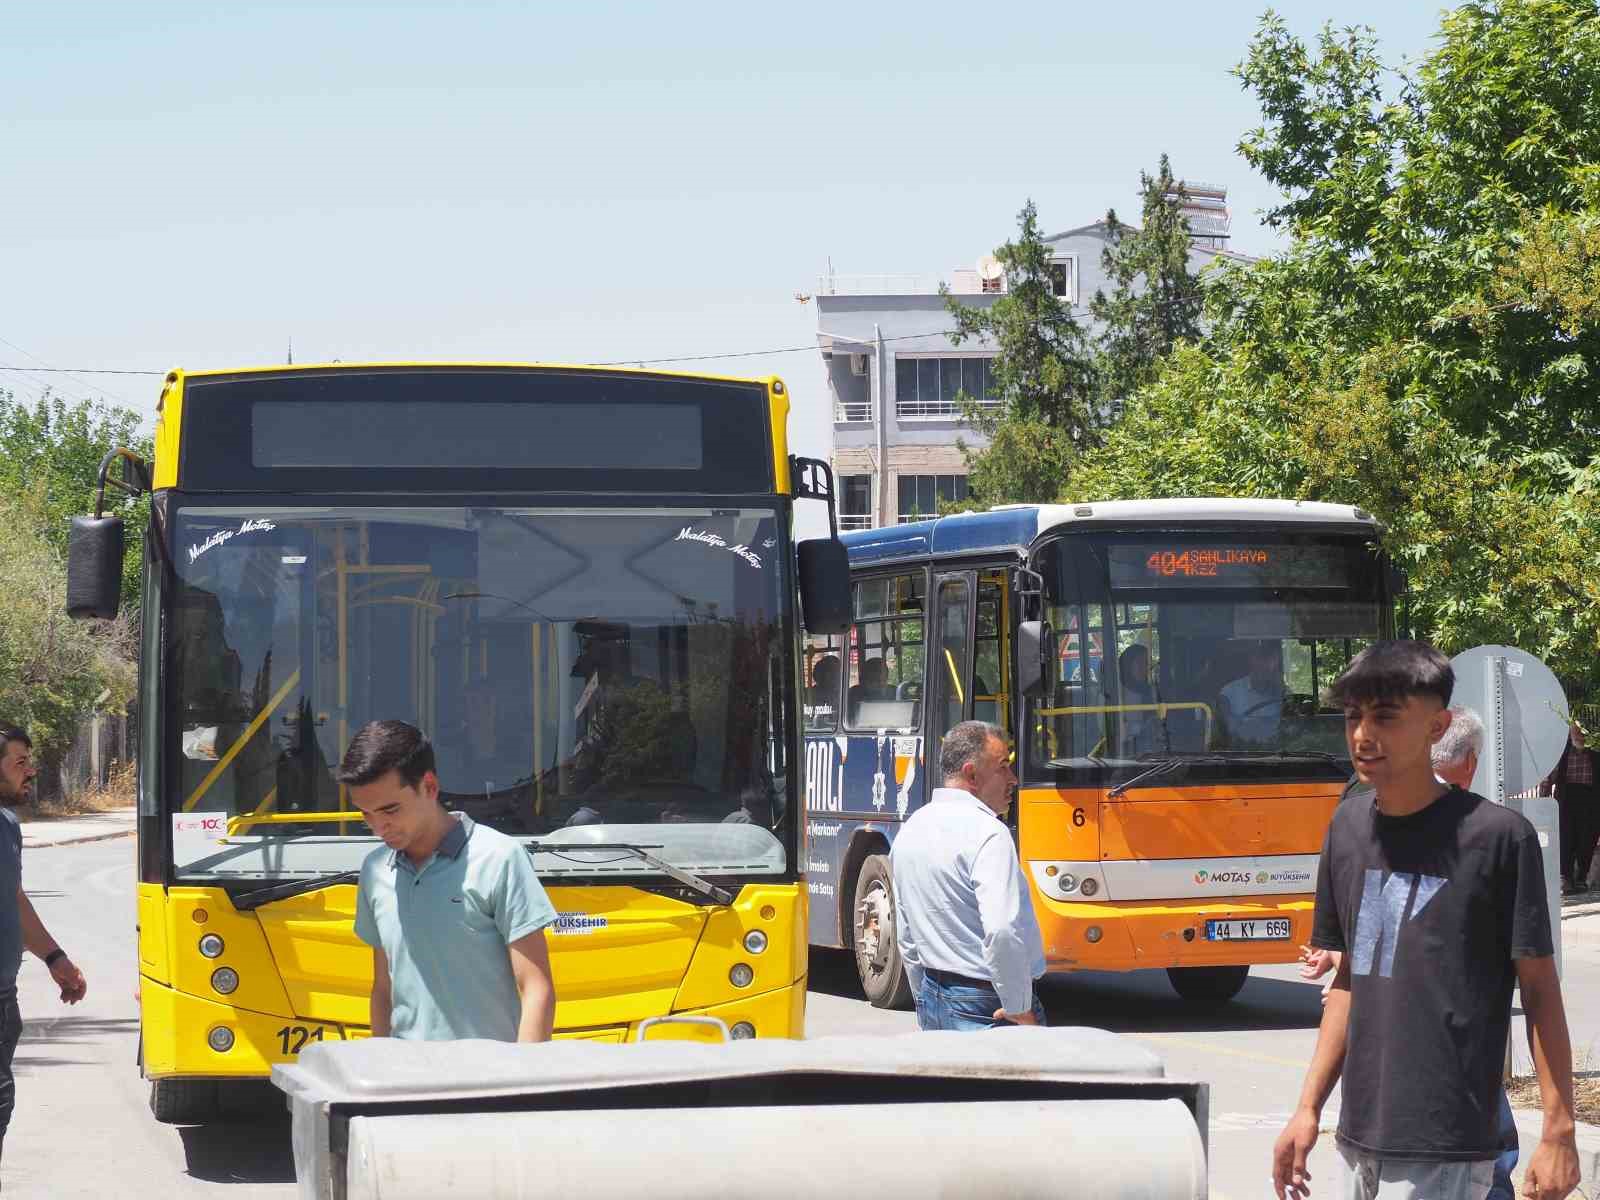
[1507, 1162]
[959, 1006]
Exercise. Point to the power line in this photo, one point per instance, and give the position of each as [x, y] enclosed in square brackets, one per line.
[112, 396]
[76, 370]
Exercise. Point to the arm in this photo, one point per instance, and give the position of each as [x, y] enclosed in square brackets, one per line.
[382, 997]
[37, 941]
[530, 967]
[906, 943]
[997, 879]
[1289, 1174]
[1553, 1169]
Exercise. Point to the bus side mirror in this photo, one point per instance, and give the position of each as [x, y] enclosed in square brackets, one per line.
[824, 585]
[1036, 655]
[94, 568]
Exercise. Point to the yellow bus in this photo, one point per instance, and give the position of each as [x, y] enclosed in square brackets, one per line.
[581, 583]
[1161, 667]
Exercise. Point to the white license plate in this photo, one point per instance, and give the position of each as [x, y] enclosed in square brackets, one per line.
[1258, 929]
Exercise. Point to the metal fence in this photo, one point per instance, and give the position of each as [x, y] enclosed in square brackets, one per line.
[103, 744]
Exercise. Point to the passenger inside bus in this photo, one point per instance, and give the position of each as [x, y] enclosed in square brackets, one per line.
[1251, 707]
[874, 685]
[824, 694]
[1139, 729]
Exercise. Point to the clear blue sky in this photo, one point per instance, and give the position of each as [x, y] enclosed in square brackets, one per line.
[195, 184]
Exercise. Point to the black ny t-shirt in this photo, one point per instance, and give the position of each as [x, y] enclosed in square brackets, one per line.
[1430, 910]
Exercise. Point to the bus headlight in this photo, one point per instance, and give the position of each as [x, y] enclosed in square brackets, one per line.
[755, 941]
[220, 1039]
[742, 1032]
[211, 946]
[225, 980]
[1088, 887]
[741, 975]
[1067, 882]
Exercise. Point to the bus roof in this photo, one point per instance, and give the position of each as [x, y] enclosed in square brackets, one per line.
[1015, 527]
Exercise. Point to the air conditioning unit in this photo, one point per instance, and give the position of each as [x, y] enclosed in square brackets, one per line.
[858, 364]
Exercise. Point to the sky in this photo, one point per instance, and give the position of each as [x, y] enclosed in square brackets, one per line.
[203, 184]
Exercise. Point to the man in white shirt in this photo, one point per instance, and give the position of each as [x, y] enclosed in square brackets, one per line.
[963, 916]
[1252, 705]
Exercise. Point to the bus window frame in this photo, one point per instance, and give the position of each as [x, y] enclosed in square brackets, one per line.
[171, 502]
[857, 579]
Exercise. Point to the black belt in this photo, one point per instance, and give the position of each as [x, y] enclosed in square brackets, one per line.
[950, 978]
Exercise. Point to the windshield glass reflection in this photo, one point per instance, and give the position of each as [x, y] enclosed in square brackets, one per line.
[1227, 656]
[585, 675]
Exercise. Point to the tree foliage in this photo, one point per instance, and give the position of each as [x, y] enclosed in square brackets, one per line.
[1425, 346]
[1044, 376]
[1155, 300]
[55, 447]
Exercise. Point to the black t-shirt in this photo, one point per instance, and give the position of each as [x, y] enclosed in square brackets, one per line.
[1430, 909]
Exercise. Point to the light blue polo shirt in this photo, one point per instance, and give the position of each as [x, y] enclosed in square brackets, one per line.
[445, 926]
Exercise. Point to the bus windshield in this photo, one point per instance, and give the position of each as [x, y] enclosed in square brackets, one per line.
[1217, 650]
[587, 676]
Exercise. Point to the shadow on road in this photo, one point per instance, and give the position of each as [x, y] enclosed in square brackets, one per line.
[1131, 1002]
[251, 1144]
[47, 1041]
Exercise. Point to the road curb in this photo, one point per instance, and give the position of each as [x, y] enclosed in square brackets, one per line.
[77, 841]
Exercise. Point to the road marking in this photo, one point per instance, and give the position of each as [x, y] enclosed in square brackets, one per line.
[1213, 1048]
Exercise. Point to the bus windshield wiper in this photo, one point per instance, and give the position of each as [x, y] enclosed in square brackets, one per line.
[688, 878]
[295, 887]
[1163, 767]
[1267, 755]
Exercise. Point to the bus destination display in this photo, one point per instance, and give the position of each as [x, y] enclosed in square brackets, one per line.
[1157, 565]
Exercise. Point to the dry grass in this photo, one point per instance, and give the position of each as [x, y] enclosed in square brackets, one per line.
[1524, 1093]
[120, 792]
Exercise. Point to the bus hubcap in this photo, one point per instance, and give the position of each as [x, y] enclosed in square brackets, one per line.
[872, 925]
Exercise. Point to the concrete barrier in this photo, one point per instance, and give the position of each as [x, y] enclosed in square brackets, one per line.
[1017, 1112]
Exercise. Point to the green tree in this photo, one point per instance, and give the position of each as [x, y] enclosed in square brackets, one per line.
[56, 446]
[1044, 378]
[1155, 300]
[1425, 345]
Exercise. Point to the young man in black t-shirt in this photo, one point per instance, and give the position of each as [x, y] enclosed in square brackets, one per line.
[1436, 899]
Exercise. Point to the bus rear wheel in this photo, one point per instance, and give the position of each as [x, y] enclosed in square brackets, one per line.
[1207, 987]
[185, 1101]
[883, 976]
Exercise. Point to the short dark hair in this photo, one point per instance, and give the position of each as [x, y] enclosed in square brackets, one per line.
[1395, 670]
[13, 733]
[383, 746]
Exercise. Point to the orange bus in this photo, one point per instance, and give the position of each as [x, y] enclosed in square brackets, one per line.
[1162, 668]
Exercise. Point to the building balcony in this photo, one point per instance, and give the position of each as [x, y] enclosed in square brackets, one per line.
[849, 521]
[845, 414]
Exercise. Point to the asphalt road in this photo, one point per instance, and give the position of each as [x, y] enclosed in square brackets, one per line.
[83, 1126]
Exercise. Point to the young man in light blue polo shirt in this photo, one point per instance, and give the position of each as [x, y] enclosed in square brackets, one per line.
[452, 909]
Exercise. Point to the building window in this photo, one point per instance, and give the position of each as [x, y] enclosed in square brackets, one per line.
[921, 495]
[1064, 279]
[855, 502]
[927, 387]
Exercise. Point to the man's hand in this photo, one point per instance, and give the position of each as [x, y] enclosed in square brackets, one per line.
[1552, 1171]
[70, 980]
[1290, 1179]
[1022, 1018]
[1314, 964]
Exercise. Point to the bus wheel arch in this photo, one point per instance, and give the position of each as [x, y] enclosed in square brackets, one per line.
[871, 931]
[1207, 988]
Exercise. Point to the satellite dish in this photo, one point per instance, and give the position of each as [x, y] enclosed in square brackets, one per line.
[990, 268]
[1535, 707]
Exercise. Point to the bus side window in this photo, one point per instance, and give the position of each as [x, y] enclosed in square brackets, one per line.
[823, 667]
[885, 659]
[1069, 721]
[991, 677]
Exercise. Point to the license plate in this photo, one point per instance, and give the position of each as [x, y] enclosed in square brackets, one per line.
[1258, 929]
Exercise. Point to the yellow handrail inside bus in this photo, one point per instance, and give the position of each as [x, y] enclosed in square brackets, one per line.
[245, 821]
[1160, 710]
[955, 677]
[250, 731]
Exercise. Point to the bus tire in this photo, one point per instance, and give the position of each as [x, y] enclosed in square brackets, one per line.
[883, 976]
[1207, 988]
[184, 1101]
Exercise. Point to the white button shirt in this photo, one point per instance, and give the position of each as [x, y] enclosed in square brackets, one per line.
[961, 903]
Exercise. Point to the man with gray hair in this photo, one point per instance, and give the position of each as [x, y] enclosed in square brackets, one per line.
[1455, 755]
[963, 915]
